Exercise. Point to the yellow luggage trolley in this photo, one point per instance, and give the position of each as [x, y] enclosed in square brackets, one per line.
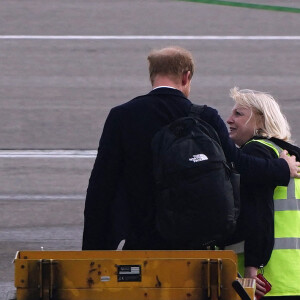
[129, 275]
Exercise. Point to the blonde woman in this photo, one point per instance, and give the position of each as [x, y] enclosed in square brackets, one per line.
[270, 215]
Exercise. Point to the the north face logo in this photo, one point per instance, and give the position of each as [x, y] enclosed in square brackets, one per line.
[198, 157]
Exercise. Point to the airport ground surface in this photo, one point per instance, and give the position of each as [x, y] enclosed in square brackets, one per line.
[57, 89]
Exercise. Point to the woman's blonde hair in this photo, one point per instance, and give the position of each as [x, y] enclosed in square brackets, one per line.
[266, 109]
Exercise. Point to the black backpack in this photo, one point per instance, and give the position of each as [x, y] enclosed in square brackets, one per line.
[197, 192]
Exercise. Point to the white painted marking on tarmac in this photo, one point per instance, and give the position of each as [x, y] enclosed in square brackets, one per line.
[42, 197]
[147, 37]
[48, 153]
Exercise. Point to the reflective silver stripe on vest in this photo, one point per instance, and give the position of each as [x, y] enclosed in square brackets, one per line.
[287, 243]
[237, 248]
[286, 204]
[291, 203]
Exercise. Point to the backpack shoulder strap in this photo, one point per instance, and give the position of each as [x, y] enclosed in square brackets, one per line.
[196, 110]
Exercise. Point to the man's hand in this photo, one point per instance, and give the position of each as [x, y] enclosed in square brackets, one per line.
[293, 164]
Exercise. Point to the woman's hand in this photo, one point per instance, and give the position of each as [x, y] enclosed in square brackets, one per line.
[251, 272]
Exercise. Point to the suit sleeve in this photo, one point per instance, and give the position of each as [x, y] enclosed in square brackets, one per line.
[102, 187]
[254, 169]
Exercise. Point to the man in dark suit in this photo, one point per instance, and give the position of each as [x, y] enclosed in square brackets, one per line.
[120, 196]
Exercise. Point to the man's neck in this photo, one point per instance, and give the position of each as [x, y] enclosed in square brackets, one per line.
[161, 80]
[172, 82]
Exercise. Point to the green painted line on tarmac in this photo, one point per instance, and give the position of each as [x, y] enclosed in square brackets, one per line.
[248, 5]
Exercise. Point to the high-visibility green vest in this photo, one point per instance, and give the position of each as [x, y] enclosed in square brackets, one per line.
[283, 268]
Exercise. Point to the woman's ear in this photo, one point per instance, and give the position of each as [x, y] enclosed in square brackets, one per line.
[260, 124]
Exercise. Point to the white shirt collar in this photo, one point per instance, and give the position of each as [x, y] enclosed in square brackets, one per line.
[164, 86]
